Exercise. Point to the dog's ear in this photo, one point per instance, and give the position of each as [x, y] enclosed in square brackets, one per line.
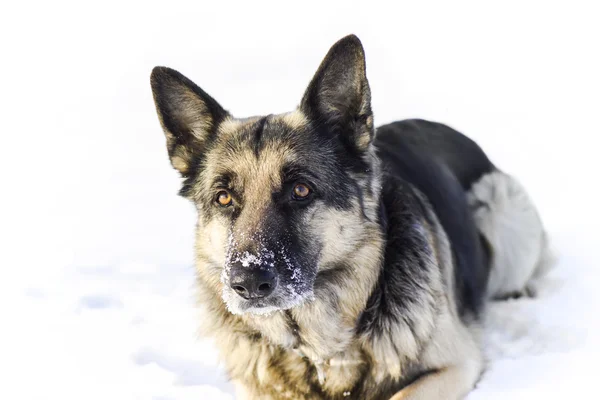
[188, 115]
[339, 95]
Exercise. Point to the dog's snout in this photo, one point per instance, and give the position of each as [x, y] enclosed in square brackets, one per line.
[253, 283]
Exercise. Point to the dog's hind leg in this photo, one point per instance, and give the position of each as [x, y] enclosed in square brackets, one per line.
[512, 230]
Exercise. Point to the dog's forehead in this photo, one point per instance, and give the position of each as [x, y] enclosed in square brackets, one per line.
[259, 146]
[248, 129]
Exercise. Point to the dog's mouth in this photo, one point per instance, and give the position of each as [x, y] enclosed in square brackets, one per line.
[257, 307]
[284, 298]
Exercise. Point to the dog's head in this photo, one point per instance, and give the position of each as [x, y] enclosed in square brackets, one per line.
[282, 198]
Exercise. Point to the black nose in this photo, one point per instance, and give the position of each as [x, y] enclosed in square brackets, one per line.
[252, 283]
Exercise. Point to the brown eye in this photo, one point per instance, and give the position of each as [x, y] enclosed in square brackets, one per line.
[224, 198]
[301, 191]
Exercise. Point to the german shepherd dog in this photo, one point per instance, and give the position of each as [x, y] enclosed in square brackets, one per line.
[339, 262]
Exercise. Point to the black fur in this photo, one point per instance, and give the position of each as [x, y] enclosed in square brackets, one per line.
[338, 97]
[442, 164]
[404, 273]
[258, 144]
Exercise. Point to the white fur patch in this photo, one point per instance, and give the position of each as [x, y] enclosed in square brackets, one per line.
[508, 219]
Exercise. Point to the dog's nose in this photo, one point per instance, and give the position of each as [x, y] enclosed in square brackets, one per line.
[252, 283]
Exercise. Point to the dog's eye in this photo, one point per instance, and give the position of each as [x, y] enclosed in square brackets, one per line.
[224, 198]
[301, 191]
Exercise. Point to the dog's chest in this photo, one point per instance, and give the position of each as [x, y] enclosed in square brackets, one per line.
[305, 359]
[339, 374]
[291, 374]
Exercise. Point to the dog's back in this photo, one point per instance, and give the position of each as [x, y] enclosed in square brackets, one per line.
[442, 164]
[438, 143]
[490, 221]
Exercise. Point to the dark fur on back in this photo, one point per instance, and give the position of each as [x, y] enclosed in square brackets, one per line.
[443, 164]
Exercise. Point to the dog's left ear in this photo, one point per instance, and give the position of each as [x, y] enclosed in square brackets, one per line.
[339, 95]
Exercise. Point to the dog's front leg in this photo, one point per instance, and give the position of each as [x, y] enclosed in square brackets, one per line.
[449, 383]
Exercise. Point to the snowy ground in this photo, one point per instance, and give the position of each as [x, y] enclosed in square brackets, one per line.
[97, 283]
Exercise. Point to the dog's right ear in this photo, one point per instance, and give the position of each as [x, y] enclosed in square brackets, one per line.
[188, 115]
[339, 96]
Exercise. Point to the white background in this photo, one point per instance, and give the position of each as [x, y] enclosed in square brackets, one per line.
[96, 248]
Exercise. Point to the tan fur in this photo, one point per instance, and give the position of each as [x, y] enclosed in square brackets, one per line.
[449, 383]
[180, 156]
[258, 177]
[295, 119]
[180, 163]
[455, 353]
[213, 242]
[230, 126]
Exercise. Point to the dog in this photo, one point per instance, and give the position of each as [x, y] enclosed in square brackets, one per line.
[339, 261]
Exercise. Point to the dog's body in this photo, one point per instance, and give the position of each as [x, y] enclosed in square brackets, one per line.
[334, 263]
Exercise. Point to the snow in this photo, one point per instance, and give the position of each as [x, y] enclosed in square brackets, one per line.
[97, 289]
